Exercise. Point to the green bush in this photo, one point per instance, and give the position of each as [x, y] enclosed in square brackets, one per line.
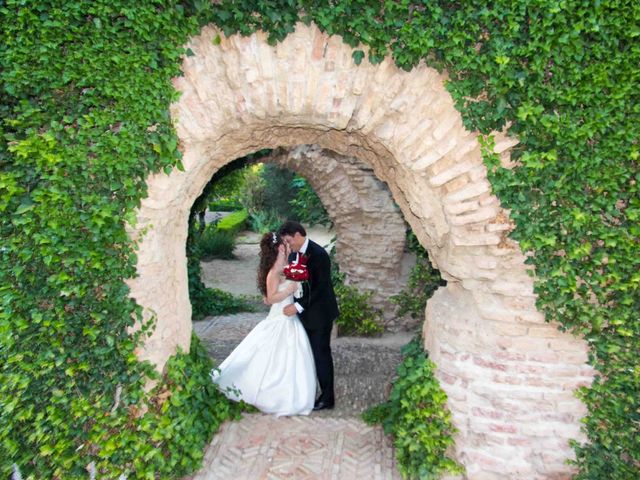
[252, 189]
[234, 222]
[216, 243]
[306, 205]
[278, 190]
[357, 316]
[224, 205]
[207, 301]
[85, 91]
[416, 416]
[423, 281]
[185, 409]
[263, 221]
[224, 193]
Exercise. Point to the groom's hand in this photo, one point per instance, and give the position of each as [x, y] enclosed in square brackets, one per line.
[290, 310]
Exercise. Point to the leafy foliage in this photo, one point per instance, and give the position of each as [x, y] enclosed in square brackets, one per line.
[272, 195]
[306, 205]
[263, 221]
[214, 243]
[357, 316]
[252, 190]
[84, 94]
[225, 192]
[416, 416]
[228, 204]
[563, 76]
[84, 91]
[233, 223]
[424, 280]
[186, 409]
[278, 189]
[207, 301]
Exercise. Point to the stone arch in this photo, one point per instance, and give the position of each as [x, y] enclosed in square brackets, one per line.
[509, 375]
[370, 230]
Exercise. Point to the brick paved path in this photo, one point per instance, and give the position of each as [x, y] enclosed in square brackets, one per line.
[300, 448]
[331, 444]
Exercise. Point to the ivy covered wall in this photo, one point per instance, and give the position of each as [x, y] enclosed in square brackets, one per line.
[84, 95]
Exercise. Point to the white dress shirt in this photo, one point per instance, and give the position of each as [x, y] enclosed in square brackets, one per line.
[302, 251]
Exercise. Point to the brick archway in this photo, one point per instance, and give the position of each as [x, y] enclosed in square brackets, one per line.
[509, 375]
[370, 231]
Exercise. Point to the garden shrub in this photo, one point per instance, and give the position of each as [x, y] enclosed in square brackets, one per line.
[224, 194]
[84, 95]
[417, 417]
[423, 281]
[233, 223]
[271, 195]
[206, 301]
[357, 316]
[306, 205]
[252, 189]
[278, 190]
[216, 243]
[263, 221]
[224, 205]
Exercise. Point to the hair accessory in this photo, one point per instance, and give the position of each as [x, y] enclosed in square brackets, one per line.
[274, 238]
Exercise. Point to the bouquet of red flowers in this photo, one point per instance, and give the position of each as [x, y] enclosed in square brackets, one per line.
[297, 270]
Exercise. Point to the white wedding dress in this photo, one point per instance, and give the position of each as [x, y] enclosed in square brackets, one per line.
[273, 367]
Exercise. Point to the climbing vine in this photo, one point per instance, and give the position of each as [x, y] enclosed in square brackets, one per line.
[85, 89]
[84, 94]
[417, 417]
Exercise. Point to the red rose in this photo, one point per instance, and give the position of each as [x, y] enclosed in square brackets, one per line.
[297, 270]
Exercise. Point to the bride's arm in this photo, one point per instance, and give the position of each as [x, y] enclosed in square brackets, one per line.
[273, 295]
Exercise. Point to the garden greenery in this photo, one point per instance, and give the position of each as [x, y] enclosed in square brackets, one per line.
[214, 243]
[417, 417]
[423, 281]
[206, 301]
[233, 223]
[357, 316]
[205, 242]
[84, 95]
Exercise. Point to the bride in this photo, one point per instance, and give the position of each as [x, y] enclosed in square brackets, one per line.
[273, 367]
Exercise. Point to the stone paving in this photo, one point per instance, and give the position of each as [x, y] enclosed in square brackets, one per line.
[331, 444]
[266, 447]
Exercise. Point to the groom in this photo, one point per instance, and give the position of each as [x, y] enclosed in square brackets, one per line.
[317, 307]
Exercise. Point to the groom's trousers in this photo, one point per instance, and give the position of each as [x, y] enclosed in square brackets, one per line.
[320, 341]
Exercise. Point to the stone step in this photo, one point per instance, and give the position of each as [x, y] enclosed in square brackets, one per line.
[363, 367]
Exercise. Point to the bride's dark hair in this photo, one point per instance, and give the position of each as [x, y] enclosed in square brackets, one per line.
[268, 254]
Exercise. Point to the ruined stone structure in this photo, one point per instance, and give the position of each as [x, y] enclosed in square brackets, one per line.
[370, 231]
[509, 375]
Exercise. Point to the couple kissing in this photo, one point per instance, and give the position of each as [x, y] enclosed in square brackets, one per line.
[275, 366]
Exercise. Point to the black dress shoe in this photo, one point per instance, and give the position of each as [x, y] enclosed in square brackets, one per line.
[321, 405]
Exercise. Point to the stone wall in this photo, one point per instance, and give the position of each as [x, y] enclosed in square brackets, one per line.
[509, 375]
[370, 230]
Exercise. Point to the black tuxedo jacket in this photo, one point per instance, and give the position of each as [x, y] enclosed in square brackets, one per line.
[318, 300]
